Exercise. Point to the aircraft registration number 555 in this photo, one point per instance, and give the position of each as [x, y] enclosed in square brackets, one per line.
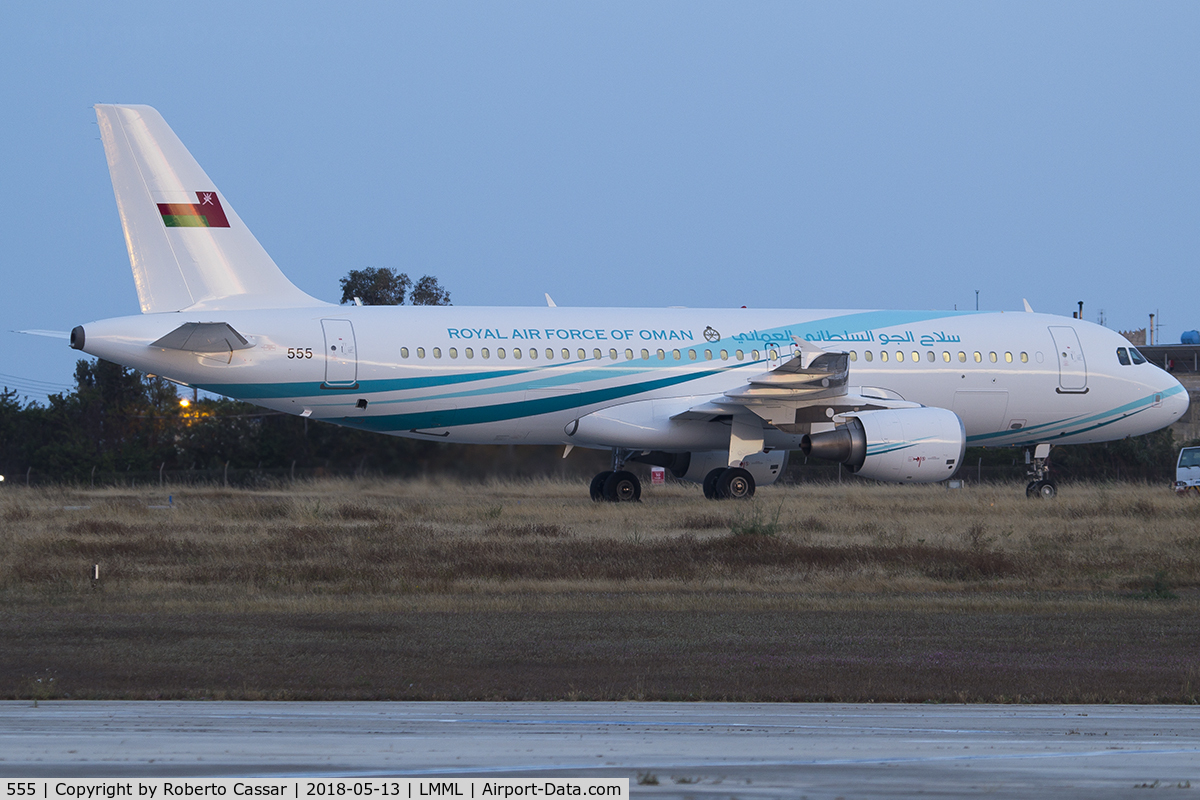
[299, 352]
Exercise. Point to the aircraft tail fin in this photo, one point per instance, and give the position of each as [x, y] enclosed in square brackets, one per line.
[187, 246]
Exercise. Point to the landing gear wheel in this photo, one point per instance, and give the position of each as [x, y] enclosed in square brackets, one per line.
[735, 484]
[622, 487]
[1041, 489]
[597, 488]
[710, 483]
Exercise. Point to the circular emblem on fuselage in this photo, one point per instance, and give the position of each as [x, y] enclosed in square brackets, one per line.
[711, 334]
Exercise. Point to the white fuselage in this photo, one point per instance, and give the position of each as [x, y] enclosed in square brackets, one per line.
[490, 375]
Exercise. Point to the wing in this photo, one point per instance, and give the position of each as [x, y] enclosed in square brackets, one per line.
[811, 387]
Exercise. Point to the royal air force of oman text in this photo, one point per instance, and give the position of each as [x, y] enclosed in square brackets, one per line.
[155, 789]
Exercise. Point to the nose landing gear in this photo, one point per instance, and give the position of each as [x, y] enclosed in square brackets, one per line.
[1042, 486]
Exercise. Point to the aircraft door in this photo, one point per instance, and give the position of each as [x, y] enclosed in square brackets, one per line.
[341, 354]
[1072, 369]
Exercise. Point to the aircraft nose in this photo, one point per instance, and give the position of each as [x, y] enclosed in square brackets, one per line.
[1176, 405]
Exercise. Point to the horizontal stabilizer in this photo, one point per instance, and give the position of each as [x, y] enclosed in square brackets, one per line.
[203, 337]
[50, 334]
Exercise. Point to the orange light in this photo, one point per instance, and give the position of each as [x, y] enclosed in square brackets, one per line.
[184, 403]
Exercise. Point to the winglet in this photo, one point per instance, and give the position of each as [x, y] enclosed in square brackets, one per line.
[809, 352]
[550, 300]
[1028, 307]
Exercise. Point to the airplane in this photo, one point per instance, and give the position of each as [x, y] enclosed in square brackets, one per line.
[718, 396]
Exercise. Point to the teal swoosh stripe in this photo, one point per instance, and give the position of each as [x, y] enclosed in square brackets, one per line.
[534, 382]
[248, 391]
[454, 417]
[880, 450]
[551, 381]
[1102, 419]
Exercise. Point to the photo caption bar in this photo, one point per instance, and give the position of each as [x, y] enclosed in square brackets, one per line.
[298, 789]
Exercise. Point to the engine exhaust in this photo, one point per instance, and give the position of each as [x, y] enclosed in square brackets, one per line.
[847, 444]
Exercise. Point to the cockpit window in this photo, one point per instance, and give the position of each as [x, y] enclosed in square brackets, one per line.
[1123, 356]
[1137, 357]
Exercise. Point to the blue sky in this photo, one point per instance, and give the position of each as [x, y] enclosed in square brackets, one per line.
[852, 155]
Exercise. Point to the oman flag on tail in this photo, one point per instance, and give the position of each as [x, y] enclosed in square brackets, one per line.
[205, 213]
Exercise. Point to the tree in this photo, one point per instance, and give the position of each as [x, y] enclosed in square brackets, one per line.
[428, 292]
[375, 287]
[383, 287]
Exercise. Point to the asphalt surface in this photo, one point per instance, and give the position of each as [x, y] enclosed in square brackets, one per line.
[702, 750]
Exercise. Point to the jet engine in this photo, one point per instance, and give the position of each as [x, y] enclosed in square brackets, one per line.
[901, 445]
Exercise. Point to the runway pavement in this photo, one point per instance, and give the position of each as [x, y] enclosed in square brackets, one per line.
[702, 750]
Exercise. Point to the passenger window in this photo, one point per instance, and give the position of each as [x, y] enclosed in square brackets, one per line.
[867, 355]
[612, 354]
[978, 357]
[691, 355]
[420, 352]
[437, 352]
[566, 354]
[597, 354]
[946, 356]
[550, 354]
[662, 355]
[992, 357]
[628, 354]
[469, 352]
[962, 357]
[485, 352]
[645, 355]
[1024, 358]
[754, 355]
[854, 355]
[899, 355]
[1008, 358]
[708, 355]
[883, 355]
[916, 357]
[532, 353]
[404, 352]
[740, 355]
[676, 355]
[724, 355]
[499, 352]
[454, 352]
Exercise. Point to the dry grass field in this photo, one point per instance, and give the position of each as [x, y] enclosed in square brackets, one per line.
[437, 589]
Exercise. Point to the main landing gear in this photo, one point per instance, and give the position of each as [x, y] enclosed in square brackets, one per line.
[729, 483]
[617, 485]
[1042, 486]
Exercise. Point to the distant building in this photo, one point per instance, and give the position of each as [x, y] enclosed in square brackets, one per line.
[1136, 338]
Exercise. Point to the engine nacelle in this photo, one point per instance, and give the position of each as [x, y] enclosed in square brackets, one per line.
[765, 467]
[901, 445]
